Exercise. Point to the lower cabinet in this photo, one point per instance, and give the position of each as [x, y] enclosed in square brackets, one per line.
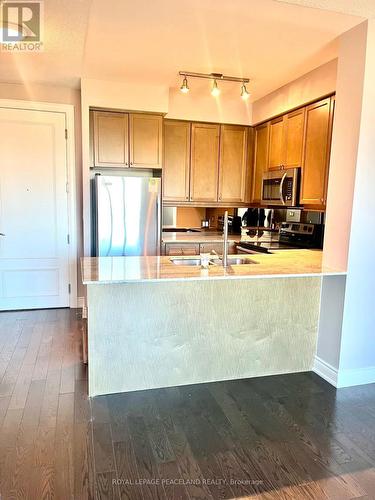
[182, 249]
[175, 249]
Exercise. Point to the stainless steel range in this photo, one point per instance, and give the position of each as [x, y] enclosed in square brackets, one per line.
[292, 235]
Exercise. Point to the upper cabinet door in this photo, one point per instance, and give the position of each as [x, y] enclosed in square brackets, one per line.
[276, 158]
[232, 169]
[316, 154]
[110, 139]
[146, 132]
[176, 165]
[294, 124]
[204, 162]
[260, 160]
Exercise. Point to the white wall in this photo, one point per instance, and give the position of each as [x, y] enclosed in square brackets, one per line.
[124, 95]
[351, 349]
[348, 109]
[358, 336]
[200, 105]
[317, 83]
[330, 321]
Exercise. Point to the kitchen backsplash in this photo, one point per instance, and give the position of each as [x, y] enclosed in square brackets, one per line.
[191, 217]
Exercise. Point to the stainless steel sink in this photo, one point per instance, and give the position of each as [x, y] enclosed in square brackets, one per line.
[239, 260]
[232, 261]
[186, 262]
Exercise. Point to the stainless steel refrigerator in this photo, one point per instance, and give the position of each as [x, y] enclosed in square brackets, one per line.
[127, 216]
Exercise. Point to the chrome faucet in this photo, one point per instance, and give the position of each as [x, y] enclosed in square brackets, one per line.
[225, 243]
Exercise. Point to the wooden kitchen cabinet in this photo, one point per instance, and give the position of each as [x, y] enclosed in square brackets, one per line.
[204, 162]
[127, 140]
[276, 143]
[261, 144]
[287, 140]
[145, 140]
[232, 167]
[316, 153]
[196, 172]
[294, 124]
[110, 131]
[176, 168]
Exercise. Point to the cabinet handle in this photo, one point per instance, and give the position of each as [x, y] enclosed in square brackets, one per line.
[131, 163]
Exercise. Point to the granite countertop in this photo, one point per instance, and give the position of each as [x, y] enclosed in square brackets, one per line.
[286, 263]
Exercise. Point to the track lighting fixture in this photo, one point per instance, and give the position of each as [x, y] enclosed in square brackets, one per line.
[215, 91]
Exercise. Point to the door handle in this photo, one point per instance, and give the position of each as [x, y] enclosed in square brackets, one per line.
[2, 234]
[282, 187]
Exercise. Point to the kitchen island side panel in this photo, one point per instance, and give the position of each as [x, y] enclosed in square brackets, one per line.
[160, 334]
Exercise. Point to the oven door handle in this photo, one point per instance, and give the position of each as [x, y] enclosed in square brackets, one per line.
[282, 188]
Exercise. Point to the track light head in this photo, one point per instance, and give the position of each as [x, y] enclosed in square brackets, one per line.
[244, 93]
[215, 91]
[184, 87]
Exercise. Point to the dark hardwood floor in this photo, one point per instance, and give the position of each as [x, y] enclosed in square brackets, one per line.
[282, 437]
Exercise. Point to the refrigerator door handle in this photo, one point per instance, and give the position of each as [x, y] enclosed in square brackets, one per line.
[158, 225]
[96, 243]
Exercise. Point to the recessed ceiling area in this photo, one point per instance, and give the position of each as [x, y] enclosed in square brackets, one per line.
[271, 42]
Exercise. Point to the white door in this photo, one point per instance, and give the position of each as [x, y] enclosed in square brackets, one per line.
[34, 251]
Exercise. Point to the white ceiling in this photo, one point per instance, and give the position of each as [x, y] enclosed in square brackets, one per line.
[65, 28]
[269, 41]
[364, 8]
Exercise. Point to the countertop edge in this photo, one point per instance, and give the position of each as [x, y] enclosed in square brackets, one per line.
[214, 278]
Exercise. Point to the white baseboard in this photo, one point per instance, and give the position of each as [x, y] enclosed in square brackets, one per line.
[360, 376]
[81, 302]
[326, 371]
[343, 378]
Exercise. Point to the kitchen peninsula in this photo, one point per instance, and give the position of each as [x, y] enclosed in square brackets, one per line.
[152, 323]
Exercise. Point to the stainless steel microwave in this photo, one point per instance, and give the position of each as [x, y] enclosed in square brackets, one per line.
[281, 187]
